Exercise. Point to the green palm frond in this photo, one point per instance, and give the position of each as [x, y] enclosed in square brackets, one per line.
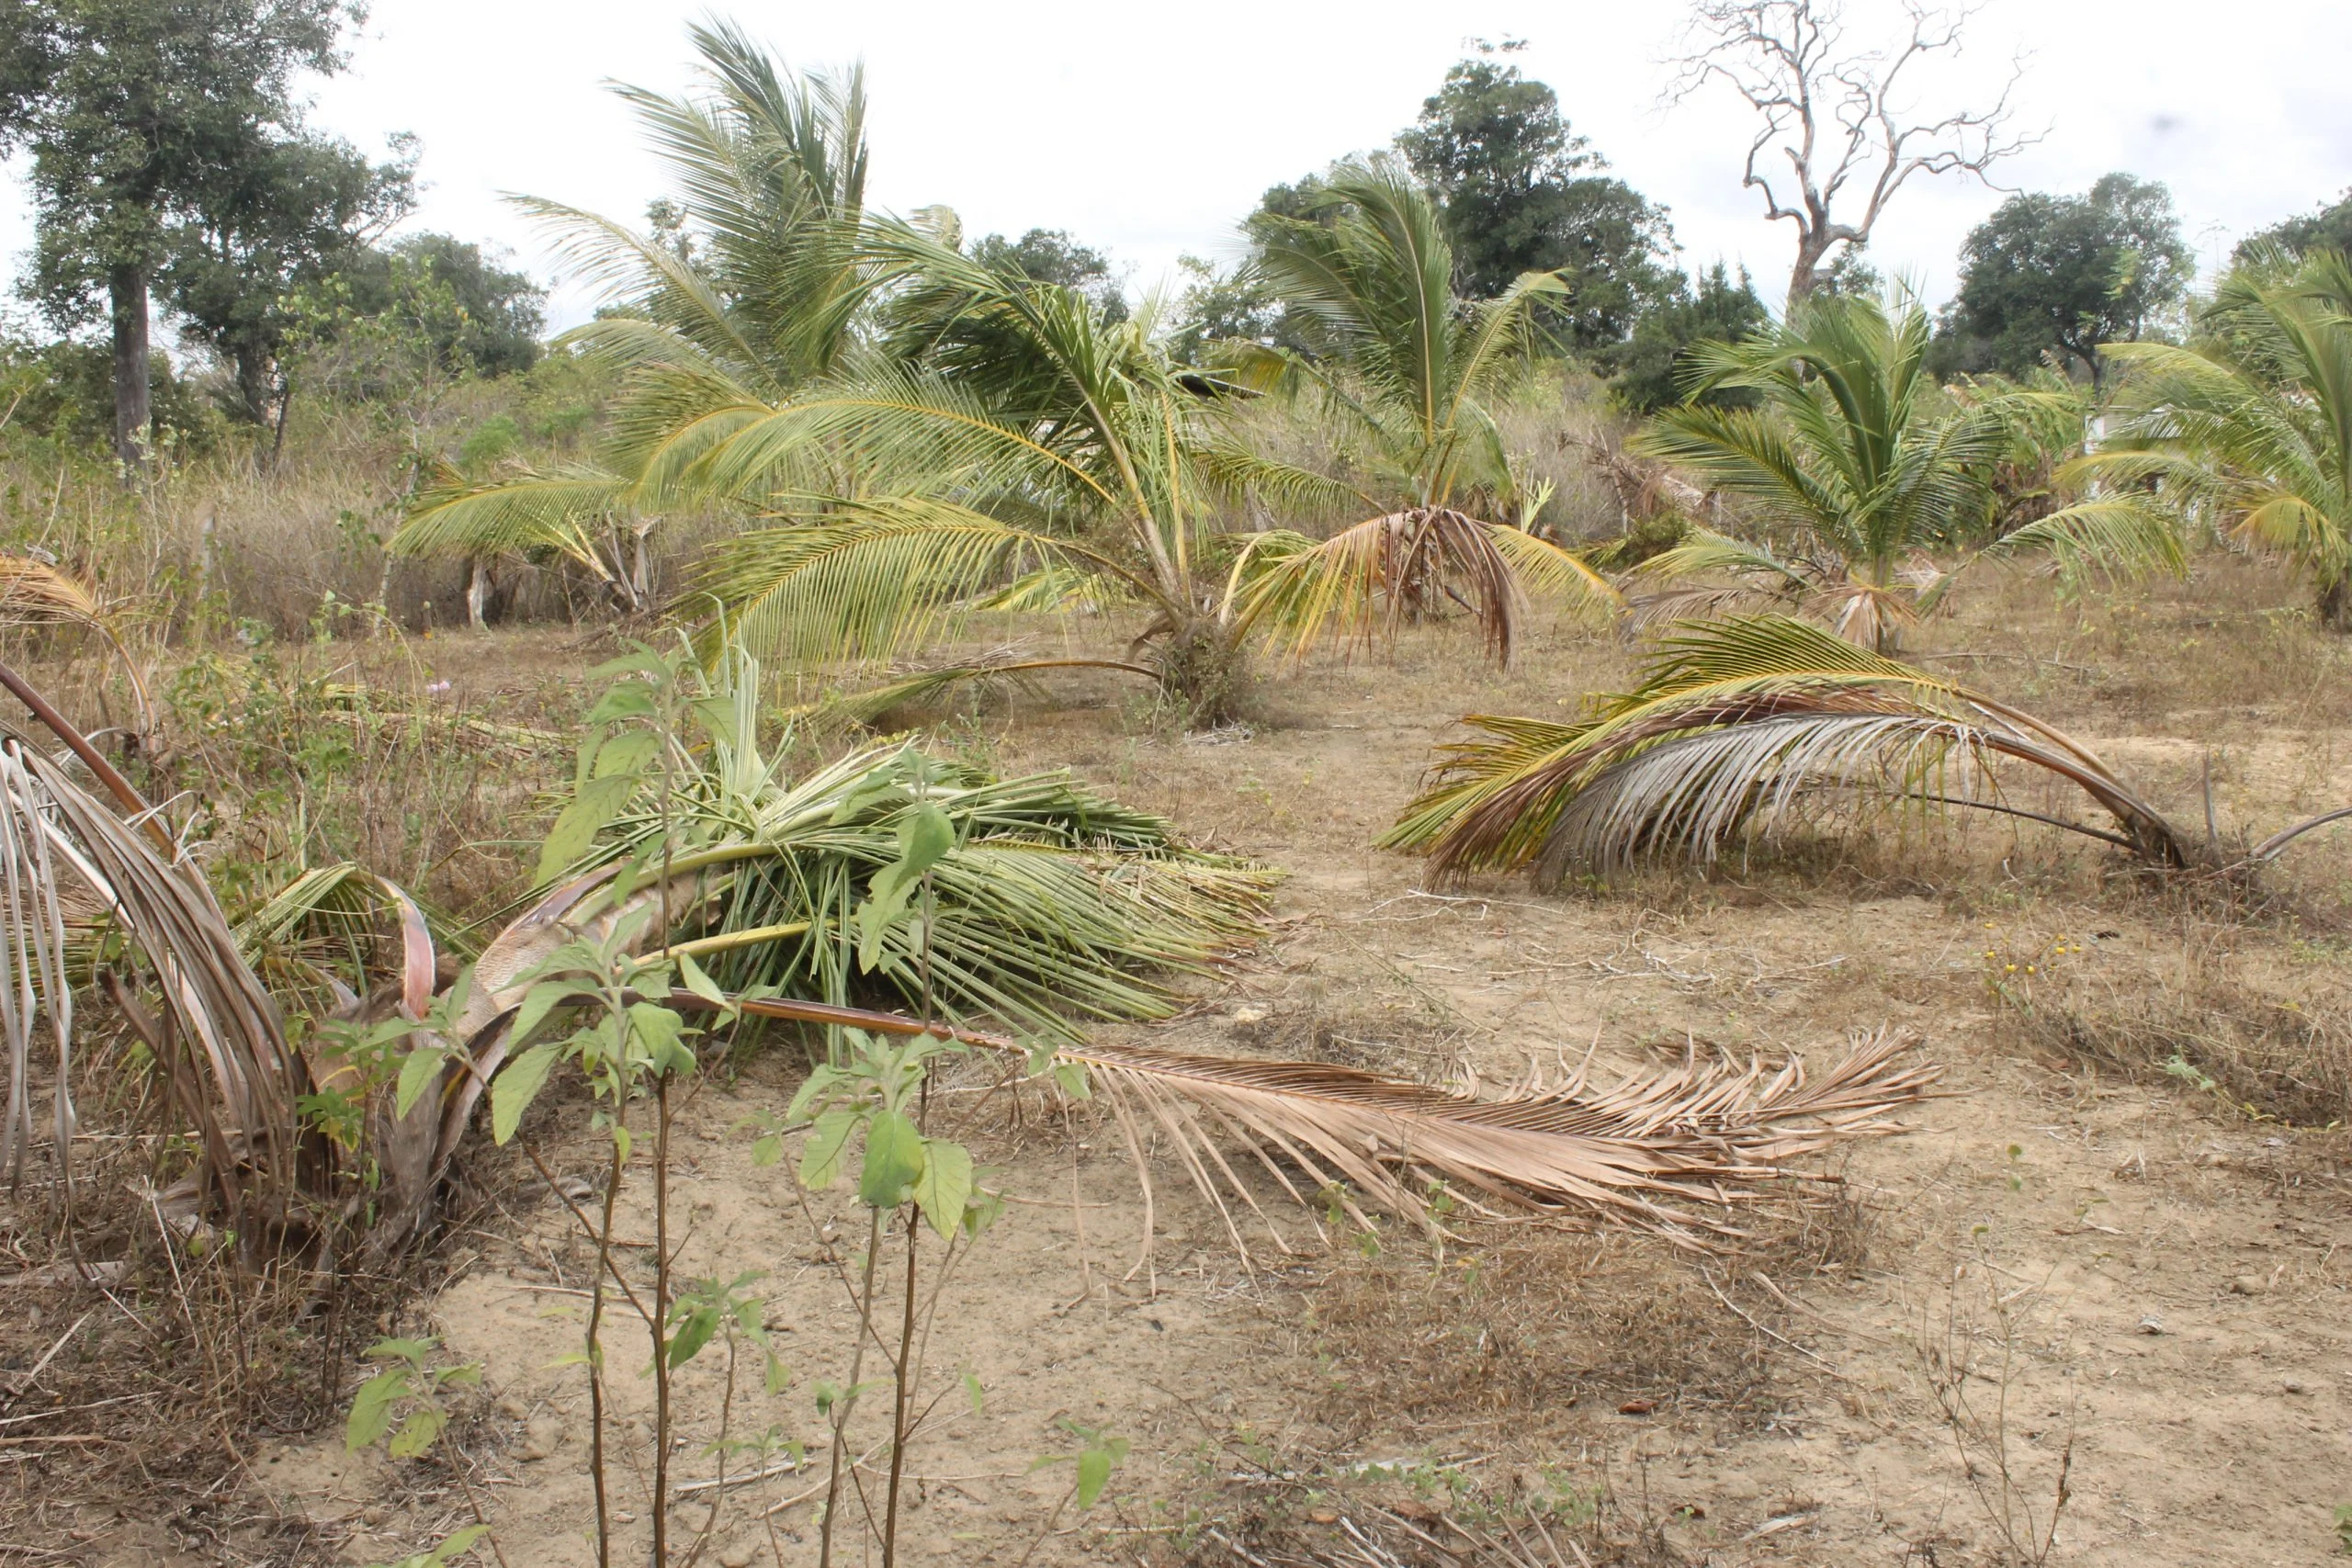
[2123, 536]
[2251, 425]
[870, 579]
[536, 512]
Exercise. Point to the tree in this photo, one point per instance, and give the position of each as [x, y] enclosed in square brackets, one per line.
[1522, 193]
[2329, 229]
[1835, 114]
[136, 112]
[2066, 274]
[1718, 311]
[2251, 425]
[749, 287]
[297, 208]
[493, 315]
[1050, 255]
[1850, 454]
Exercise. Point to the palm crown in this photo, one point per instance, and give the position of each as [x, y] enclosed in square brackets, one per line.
[1854, 457]
[2252, 424]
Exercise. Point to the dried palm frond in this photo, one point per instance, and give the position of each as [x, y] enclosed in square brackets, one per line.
[1738, 729]
[233, 1077]
[36, 593]
[987, 677]
[1644, 1150]
[1405, 567]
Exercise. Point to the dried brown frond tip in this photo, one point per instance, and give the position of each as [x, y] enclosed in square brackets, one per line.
[1655, 1149]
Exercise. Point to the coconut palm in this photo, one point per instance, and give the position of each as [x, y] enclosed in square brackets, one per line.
[750, 287]
[1010, 448]
[1745, 729]
[1406, 368]
[2251, 425]
[1854, 464]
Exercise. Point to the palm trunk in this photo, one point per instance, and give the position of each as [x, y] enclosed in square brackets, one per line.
[134, 415]
[2335, 604]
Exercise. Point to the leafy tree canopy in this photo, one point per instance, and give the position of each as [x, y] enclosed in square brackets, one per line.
[1716, 311]
[478, 317]
[1522, 193]
[2065, 274]
[301, 208]
[1050, 255]
[147, 118]
[2328, 229]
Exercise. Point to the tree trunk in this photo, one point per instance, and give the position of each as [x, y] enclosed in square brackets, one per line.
[2335, 604]
[478, 594]
[253, 383]
[134, 415]
[1811, 248]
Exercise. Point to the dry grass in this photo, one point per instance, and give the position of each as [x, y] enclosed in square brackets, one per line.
[1537, 1322]
[2279, 1051]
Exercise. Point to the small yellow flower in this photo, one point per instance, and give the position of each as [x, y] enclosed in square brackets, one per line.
[2011, 970]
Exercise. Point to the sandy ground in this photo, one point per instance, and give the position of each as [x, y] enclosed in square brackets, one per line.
[2146, 1292]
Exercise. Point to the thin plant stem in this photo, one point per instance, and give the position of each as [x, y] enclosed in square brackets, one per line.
[596, 1348]
[662, 1318]
[849, 1396]
[901, 1391]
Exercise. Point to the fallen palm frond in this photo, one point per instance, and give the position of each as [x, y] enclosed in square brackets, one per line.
[1641, 1150]
[470, 730]
[233, 1077]
[1739, 729]
[36, 593]
[1055, 906]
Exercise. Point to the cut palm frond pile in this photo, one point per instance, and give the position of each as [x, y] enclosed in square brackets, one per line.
[1743, 729]
[1056, 905]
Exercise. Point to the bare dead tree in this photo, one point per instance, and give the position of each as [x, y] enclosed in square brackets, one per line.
[1838, 115]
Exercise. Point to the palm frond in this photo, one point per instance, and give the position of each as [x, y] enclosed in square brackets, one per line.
[1653, 1149]
[870, 579]
[1366, 582]
[1739, 729]
[37, 593]
[512, 516]
[2124, 537]
[232, 1074]
[926, 688]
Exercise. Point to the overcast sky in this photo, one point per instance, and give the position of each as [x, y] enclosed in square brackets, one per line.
[1149, 132]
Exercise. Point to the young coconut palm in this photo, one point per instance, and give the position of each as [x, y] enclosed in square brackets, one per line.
[1406, 368]
[2251, 425]
[1020, 451]
[749, 287]
[1851, 460]
[1742, 730]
